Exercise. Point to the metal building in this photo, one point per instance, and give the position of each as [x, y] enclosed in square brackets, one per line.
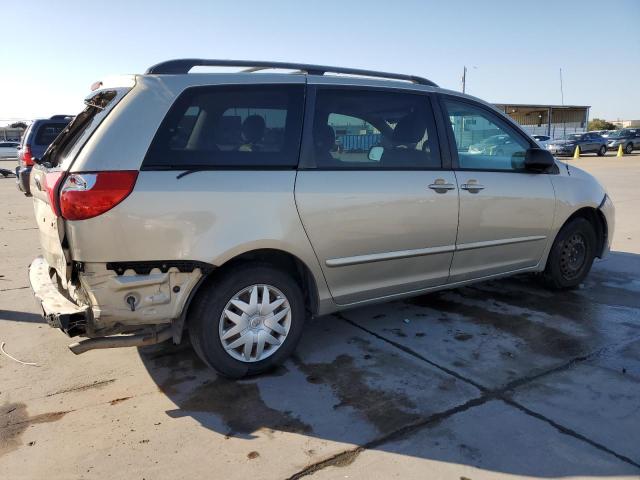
[553, 120]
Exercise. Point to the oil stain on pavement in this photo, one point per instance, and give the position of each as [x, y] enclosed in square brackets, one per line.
[15, 420]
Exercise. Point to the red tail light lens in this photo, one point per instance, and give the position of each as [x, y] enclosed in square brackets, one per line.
[87, 195]
[51, 181]
[27, 159]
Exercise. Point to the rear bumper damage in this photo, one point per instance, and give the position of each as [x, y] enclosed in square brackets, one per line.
[122, 309]
[57, 309]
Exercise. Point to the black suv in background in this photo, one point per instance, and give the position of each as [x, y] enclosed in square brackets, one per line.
[629, 138]
[34, 143]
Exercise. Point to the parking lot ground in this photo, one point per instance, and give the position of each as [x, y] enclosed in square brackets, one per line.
[502, 379]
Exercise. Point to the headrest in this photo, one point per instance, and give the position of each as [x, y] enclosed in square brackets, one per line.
[410, 129]
[324, 138]
[253, 128]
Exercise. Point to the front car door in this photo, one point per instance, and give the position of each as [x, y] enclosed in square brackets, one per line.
[593, 142]
[506, 212]
[380, 209]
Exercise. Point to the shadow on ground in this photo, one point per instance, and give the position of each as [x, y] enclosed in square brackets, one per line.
[15, 316]
[409, 371]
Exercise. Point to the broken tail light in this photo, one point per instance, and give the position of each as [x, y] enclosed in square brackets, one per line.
[87, 195]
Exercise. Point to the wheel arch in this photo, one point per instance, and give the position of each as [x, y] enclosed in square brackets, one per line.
[280, 259]
[287, 262]
[597, 220]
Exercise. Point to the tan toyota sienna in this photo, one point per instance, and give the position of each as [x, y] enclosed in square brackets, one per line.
[235, 206]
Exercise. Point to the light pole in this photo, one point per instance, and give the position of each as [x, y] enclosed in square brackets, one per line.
[464, 79]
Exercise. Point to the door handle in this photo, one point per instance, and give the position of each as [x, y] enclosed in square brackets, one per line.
[472, 186]
[441, 186]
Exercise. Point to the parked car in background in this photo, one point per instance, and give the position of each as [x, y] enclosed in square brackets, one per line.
[217, 202]
[35, 141]
[604, 133]
[9, 149]
[588, 142]
[629, 138]
[497, 145]
[543, 140]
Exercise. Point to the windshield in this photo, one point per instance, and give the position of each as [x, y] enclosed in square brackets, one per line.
[616, 133]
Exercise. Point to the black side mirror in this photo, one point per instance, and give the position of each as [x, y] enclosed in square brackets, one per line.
[538, 160]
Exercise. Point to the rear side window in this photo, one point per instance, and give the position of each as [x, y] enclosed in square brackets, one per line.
[362, 129]
[241, 126]
[47, 133]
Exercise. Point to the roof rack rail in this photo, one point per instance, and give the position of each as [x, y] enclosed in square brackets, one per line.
[185, 64]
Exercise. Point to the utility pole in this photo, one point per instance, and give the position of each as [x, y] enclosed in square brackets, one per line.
[561, 90]
[464, 79]
[564, 124]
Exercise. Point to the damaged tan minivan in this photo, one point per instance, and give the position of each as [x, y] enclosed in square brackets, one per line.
[235, 206]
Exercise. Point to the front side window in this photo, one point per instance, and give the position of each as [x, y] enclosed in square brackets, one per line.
[374, 129]
[483, 141]
[242, 126]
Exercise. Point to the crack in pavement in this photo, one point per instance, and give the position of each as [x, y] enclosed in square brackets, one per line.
[570, 432]
[80, 388]
[347, 457]
[413, 353]
[17, 229]
[13, 288]
[565, 366]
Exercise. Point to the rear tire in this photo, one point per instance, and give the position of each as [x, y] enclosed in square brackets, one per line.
[216, 323]
[602, 151]
[628, 149]
[571, 255]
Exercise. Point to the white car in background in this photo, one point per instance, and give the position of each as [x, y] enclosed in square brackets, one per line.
[9, 149]
[543, 140]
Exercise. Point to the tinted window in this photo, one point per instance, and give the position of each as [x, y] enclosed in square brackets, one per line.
[47, 132]
[373, 129]
[245, 126]
[483, 140]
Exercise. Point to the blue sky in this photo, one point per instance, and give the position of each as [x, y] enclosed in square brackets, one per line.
[53, 51]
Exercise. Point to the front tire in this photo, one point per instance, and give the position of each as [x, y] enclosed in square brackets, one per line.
[248, 321]
[571, 255]
[602, 151]
[628, 149]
